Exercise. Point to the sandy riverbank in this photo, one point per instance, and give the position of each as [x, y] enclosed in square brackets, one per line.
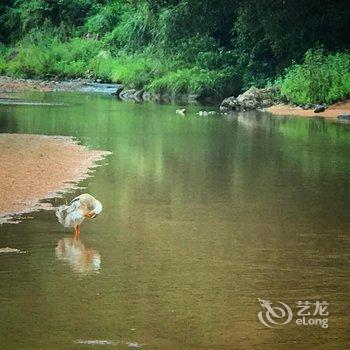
[37, 167]
[331, 112]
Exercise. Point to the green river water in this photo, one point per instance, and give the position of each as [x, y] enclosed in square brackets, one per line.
[202, 217]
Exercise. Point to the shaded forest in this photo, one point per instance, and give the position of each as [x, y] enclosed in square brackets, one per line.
[209, 48]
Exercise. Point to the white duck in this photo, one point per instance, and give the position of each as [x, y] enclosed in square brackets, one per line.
[81, 207]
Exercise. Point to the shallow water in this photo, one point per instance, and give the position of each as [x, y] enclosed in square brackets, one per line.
[202, 216]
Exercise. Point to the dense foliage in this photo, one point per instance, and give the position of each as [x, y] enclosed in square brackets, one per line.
[216, 47]
[320, 78]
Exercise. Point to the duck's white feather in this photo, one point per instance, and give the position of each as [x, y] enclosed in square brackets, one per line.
[74, 213]
[69, 216]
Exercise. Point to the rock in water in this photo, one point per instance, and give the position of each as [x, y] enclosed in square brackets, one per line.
[344, 117]
[10, 250]
[127, 94]
[181, 111]
[119, 89]
[319, 108]
[138, 95]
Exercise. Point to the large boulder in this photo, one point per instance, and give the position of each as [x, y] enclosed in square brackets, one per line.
[253, 98]
[319, 108]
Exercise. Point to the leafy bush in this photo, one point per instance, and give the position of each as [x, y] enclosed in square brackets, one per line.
[319, 78]
[3, 52]
[105, 17]
[34, 14]
[133, 30]
[202, 82]
[40, 55]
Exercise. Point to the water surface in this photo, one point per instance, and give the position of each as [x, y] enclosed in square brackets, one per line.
[202, 216]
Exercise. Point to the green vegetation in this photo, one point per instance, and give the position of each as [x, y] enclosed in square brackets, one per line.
[209, 48]
[320, 78]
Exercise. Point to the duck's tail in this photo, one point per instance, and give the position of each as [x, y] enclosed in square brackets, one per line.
[61, 213]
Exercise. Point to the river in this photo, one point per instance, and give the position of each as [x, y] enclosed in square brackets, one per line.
[202, 217]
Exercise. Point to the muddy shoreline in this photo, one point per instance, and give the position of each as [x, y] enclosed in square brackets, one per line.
[38, 167]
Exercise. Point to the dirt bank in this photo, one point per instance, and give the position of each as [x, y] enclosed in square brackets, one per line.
[37, 167]
[331, 112]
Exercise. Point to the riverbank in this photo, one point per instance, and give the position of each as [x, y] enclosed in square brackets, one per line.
[38, 167]
[9, 84]
[331, 112]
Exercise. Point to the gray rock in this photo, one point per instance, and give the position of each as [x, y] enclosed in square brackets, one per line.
[138, 95]
[307, 106]
[205, 113]
[127, 94]
[344, 117]
[156, 97]
[119, 89]
[146, 96]
[253, 98]
[224, 109]
[265, 103]
[192, 98]
[319, 108]
[181, 98]
[165, 98]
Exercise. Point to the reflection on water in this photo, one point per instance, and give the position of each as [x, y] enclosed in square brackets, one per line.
[81, 259]
[202, 217]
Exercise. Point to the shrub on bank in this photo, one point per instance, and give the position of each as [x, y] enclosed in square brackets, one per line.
[319, 78]
[134, 71]
[200, 81]
[41, 56]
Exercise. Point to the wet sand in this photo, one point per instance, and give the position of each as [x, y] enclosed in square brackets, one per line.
[37, 167]
[331, 112]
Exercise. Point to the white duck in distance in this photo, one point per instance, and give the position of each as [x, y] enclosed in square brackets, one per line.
[81, 207]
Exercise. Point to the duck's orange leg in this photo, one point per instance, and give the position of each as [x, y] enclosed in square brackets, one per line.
[76, 232]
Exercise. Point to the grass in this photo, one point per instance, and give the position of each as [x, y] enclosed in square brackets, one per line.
[49, 58]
